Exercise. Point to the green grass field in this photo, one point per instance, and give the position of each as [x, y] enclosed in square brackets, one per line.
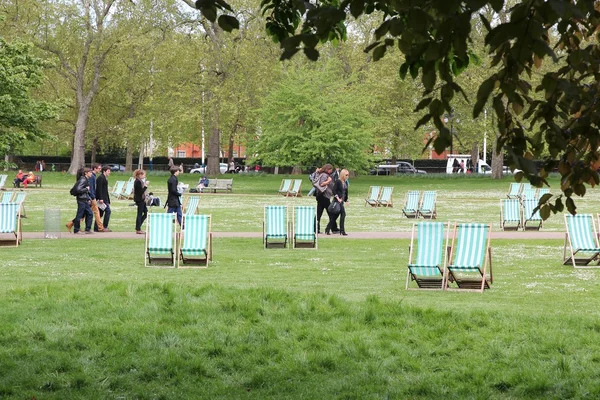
[84, 319]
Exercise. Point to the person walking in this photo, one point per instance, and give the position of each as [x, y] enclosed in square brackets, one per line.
[340, 194]
[98, 226]
[139, 197]
[81, 192]
[174, 196]
[323, 184]
[103, 198]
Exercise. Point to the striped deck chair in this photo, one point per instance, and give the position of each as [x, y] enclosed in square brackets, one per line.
[528, 194]
[19, 198]
[427, 207]
[511, 218]
[531, 220]
[195, 241]
[285, 186]
[385, 200]
[469, 258]
[295, 190]
[582, 240]
[10, 224]
[427, 270]
[3, 178]
[373, 196]
[191, 205]
[127, 193]
[303, 227]
[118, 189]
[515, 190]
[541, 192]
[160, 239]
[411, 204]
[6, 197]
[275, 226]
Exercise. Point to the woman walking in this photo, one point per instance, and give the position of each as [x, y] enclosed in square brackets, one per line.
[139, 196]
[340, 194]
[323, 183]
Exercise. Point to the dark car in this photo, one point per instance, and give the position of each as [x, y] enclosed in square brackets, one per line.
[116, 167]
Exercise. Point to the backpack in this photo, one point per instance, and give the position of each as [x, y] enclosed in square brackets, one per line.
[73, 190]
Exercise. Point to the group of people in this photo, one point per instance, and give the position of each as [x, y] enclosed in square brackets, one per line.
[93, 201]
[24, 179]
[331, 186]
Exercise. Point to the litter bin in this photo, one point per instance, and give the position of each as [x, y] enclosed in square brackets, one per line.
[52, 223]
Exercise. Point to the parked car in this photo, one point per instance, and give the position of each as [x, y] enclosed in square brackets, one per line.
[201, 170]
[117, 167]
[401, 167]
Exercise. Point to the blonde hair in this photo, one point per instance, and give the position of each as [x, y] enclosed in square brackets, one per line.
[344, 172]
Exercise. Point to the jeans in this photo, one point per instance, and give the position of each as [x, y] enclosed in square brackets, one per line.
[142, 213]
[106, 214]
[176, 210]
[83, 210]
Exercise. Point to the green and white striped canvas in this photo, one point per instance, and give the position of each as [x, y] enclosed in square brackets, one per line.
[3, 180]
[9, 217]
[528, 207]
[515, 190]
[511, 210]
[428, 202]
[195, 235]
[19, 197]
[128, 191]
[528, 194]
[430, 249]
[412, 202]
[118, 188]
[276, 222]
[160, 233]
[296, 187]
[304, 223]
[386, 196]
[6, 197]
[192, 205]
[582, 233]
[285, 186]
[541, 192]
[471, 246]
[373, 196]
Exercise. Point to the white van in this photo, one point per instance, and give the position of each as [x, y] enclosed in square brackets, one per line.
[482, 168]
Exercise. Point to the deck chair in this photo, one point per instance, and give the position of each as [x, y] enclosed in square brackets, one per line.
[275, 226]
[118, 189]
[427, 208]
[6, 197]
[511, 218]
[427, 270]
[127, 193]
[3, 178]
[191, 205]
[10, 224]
[528, 194]
[160, 239]
[195, 241]
[515, 190]
[19, 198]
[582, 240]
[303, 227]
[295, 190]
[285, 186]
[373, 196]
[411, 204]
[541, 192]
[469, 258]
[531, 220]
[385, 200]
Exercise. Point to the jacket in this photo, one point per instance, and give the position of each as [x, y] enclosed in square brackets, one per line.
[92, 182]
[82, 189]
[102, 189]
[340, 189]
[173, 197]
[139, 190]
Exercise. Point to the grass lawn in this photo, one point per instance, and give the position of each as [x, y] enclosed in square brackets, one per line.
[84, 319]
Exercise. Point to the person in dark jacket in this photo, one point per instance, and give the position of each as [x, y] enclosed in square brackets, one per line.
[174, 197]
[340, 194]
[81, 192]
[98, 225]
[103, 198]
[139, 197]
[323, 184]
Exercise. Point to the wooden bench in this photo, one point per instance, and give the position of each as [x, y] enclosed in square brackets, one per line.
[220, 184]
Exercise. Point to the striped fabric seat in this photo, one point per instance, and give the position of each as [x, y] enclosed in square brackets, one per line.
[6, 197]
[427, 269]
[305, 219]
[541, 192]
[295, 190]
[582, 240]
[470, 257]
[275, 226]
[373, 196]
[532, 220]
[10, 223]
[515, 190]
[128, 191]
[191, 206]
[411, 204]
[511, 218]
[196, 240]
[385, 199]
[160, 238]
[427, 209]
[528, 194]
[19, 198]
[118, 189]
[3, 178]
[285, 186]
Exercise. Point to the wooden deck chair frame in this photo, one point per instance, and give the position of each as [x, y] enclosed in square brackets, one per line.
[373, 196]
[190, 260]
[428, 269]
[511, 213]
[534, 219]
[455, 269]
[3, 179]
[19, 198]
[411, 204]
[118, 189]
[165, 252]
[582, 243]
[280, 234]
[191, 204]
[285, 186]
[427, 205]
[304, 235]
[386, 197]
[514, 192]
[10, 224]
[6, 197]
[295, 190]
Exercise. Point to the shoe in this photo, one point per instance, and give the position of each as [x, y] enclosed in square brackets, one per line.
[327, 232]
[140, 232]
[343, 233]
[76, 233]
[88, 232]
[69, 226]
[318, 232]
[335, 230]
[106, 230]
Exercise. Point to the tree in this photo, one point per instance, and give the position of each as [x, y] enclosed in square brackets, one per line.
[20, 113]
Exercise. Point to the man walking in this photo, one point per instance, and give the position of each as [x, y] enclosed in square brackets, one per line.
[98, 226]
[174, 197]
[103, 198]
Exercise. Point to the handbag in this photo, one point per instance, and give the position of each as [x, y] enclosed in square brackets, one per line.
[335, 208]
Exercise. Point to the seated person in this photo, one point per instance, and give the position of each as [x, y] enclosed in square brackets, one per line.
[30, 178]
[18, 178]
[202, 184]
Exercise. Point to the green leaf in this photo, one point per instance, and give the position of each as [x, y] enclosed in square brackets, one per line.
[311, 54]
[571, 206]
[545, 211]
[545, 197]
[357, 7]
[429, 78]
[210, 13]
[423, 103]
[228, 23]
[378, 53]
[485, 89]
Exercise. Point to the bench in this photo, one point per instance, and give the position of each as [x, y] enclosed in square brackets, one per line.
[37, 182]
[220, 184]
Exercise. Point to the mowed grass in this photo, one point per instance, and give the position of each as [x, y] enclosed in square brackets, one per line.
[84, 319]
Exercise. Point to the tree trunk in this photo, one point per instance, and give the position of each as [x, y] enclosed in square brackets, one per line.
[78, 160]
[129, 158]
[497, 161]
[475, 156]
[214, 149]
[230, 149]
[141, 157]
[297, 170]
[94, 150]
